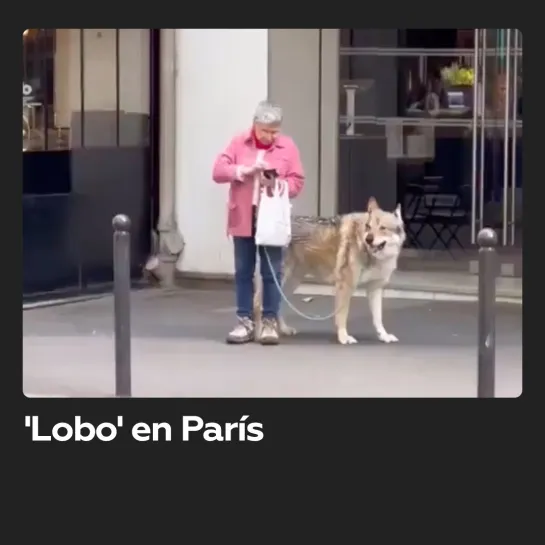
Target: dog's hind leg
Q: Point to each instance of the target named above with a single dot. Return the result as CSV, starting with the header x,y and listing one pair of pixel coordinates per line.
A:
x,y
290,282
375,295
258,303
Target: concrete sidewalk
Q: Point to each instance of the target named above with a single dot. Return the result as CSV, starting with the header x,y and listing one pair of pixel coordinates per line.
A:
x,y
179,350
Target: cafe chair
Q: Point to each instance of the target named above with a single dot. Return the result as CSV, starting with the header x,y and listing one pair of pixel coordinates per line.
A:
x,y
444,214
413,205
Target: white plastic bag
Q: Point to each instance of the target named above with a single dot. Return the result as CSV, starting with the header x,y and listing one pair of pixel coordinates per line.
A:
x,y
273,226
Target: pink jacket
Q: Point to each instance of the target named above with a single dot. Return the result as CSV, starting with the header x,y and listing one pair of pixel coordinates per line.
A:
x,y
283,156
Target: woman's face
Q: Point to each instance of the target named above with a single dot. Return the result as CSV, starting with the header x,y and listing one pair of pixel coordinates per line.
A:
x,y
266,134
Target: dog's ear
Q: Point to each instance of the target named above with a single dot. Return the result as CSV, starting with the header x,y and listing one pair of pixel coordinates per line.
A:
x,y
372,204
397,212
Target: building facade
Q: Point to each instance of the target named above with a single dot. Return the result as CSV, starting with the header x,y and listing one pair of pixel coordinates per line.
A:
x,y
90,126
431,119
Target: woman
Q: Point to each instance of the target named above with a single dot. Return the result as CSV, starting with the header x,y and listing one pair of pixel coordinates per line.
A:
x,y
241,165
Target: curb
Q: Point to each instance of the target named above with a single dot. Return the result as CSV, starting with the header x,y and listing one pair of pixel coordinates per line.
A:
x,y
198,281
309,290
49,396
317,289
76,396
63,301
97,292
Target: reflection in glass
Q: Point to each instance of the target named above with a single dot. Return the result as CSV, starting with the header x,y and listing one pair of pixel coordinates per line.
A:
x,y
85,88
43,53
432,112
134,90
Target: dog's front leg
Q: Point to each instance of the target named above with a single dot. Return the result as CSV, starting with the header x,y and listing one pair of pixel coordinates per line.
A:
x,y
374,296
343,294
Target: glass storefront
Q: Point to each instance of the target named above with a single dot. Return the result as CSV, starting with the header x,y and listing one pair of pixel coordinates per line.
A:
x,y
88,150
85,88
432,118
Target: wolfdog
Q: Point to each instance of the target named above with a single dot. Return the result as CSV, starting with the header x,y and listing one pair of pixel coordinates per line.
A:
x,y
347,250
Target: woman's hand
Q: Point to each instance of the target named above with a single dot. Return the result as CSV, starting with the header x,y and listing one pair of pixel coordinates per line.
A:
x,y
243,172
258,167
261,165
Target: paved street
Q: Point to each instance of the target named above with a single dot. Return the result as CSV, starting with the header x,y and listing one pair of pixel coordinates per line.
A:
x,y
179,350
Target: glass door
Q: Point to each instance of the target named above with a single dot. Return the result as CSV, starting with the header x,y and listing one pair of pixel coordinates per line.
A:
x,y
497,150
516,143
426,119
406,136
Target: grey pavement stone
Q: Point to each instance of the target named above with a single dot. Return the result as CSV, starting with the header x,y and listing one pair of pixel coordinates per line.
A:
x,y
179,350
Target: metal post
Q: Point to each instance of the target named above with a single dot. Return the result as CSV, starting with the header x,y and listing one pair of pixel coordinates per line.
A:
x,y
122,304
487,240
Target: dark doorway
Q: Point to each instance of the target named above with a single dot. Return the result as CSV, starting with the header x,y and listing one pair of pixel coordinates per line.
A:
x,y
89,152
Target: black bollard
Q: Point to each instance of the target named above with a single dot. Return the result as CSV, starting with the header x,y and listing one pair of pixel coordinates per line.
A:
x,y
122,304
487,239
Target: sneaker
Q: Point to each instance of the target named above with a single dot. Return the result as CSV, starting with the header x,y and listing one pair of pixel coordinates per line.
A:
x,y
242,333
269,332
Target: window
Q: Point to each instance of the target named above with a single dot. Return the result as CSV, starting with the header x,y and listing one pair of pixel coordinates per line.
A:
x,y
38,101
85,88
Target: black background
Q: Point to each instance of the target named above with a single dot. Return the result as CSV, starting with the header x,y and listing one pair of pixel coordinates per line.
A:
x,y
346,470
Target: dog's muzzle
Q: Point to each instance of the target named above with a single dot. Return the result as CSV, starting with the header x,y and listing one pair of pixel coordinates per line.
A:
x,y
378,247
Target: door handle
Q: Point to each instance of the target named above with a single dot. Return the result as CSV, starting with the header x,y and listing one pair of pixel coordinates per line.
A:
x,y
350,90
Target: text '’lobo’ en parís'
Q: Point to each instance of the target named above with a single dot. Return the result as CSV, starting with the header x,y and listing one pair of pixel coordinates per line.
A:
x,y
192,426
